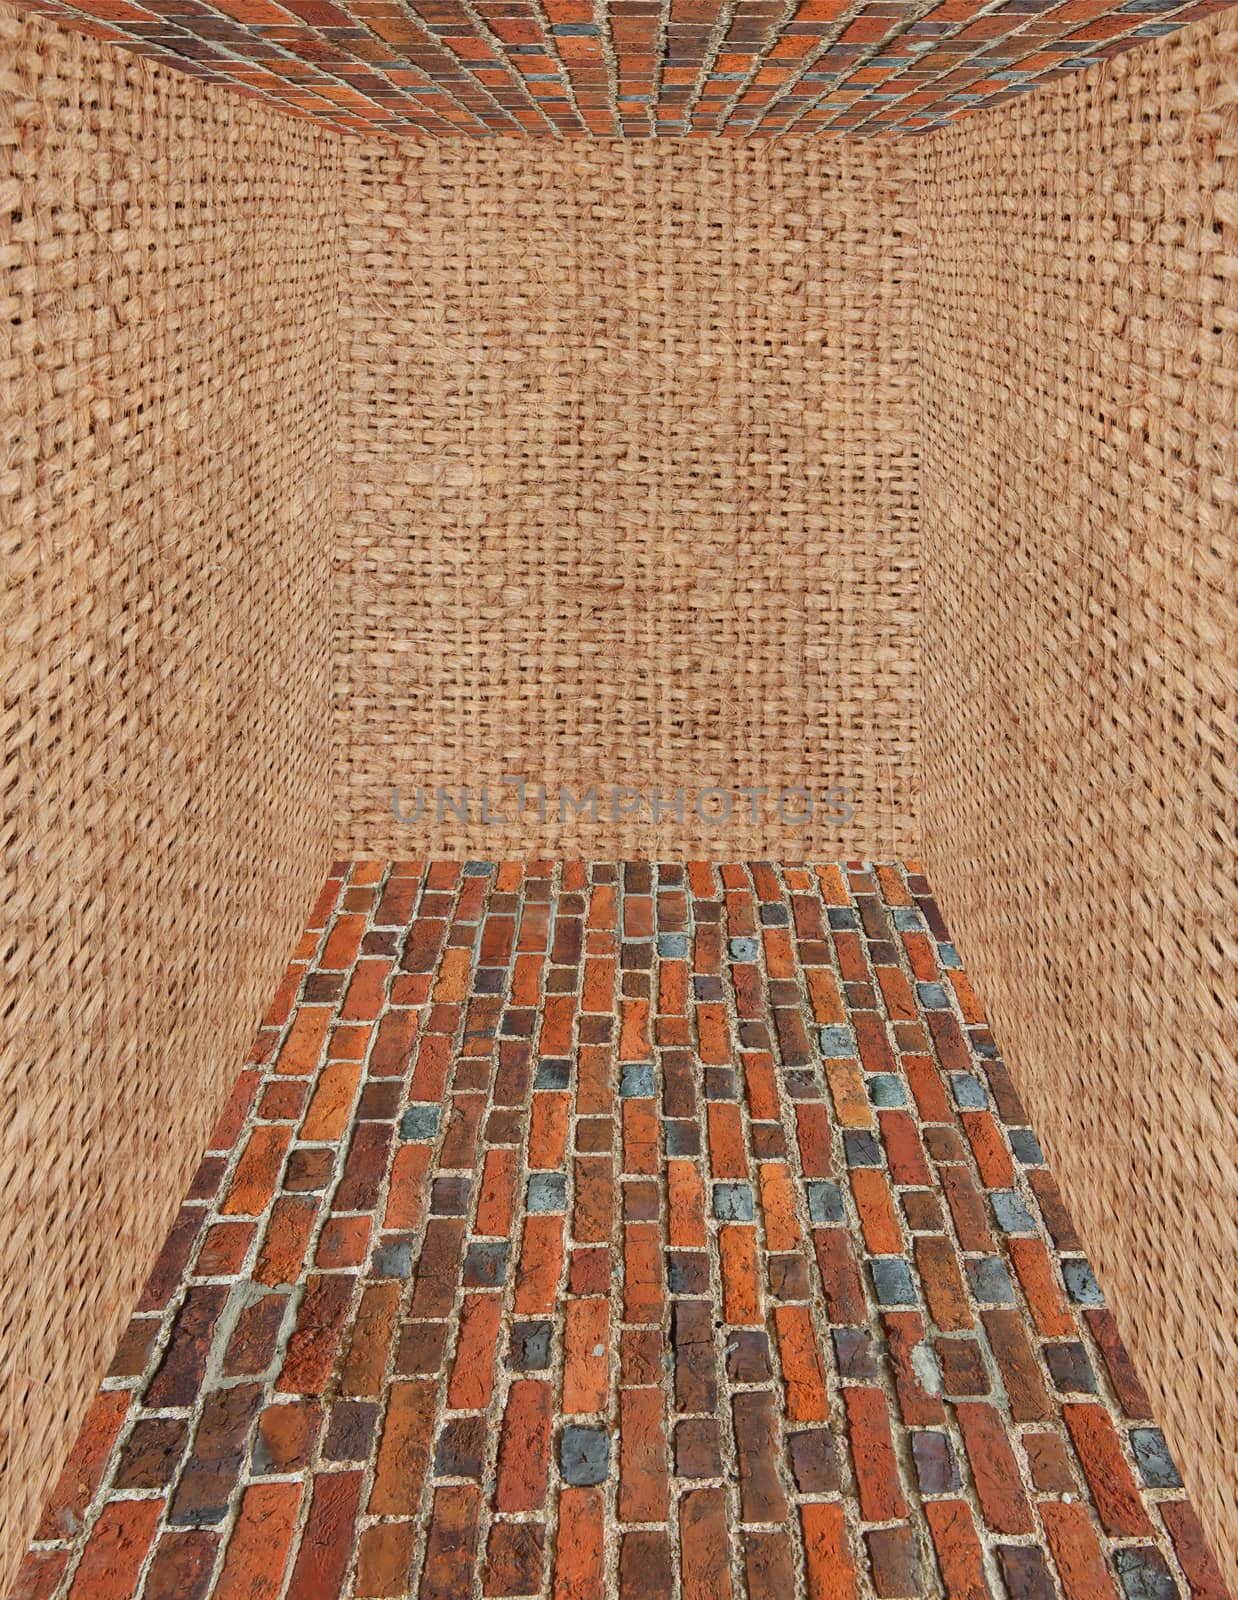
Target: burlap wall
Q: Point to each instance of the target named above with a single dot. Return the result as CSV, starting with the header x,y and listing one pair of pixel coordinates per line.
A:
x,y
1080,332
629,457
166,390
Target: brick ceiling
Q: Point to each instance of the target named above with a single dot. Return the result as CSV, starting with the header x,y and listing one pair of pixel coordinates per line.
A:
x,y
632,68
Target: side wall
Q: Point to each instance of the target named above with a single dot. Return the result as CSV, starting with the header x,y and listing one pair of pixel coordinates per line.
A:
x,y
1080,294
631,493
166,387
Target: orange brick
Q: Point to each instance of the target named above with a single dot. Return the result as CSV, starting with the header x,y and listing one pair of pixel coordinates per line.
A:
x,y
586,1343
803,1373
741,1282
686,1200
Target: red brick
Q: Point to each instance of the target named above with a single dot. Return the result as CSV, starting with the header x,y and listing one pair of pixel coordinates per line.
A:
x,y
180,1569
848,1092
895,1562
384,1558
541,1263
686,1205
812,1122
640,1137
927,1088
645,1570
741,1282
514,1559
803,1373
643,1488
439,1268
704,1546
116,1550
257,1172
282,1252
1132,1396
1113,1488
872,1450
992,1157
320,1323
958,1550
1020,1373
40,1573
1048,1463
904,1151
756,1445
1076,1552
840,1276
524,1447
994,1471
580,1556
451,1545
727,1156
327,1542
586,1351
404,1449
768,1566
878,1219
966,1209
829,1566
328,1115
406,1193
257,1552
302,1047
594,1203
904,1331
1045,1296
643,1290
476,1357
548,1124
939,1272
782,1227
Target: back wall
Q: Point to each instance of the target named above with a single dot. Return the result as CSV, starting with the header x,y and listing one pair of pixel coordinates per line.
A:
x,y
630,496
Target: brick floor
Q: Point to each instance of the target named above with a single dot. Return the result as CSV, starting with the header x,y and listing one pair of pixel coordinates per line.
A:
x,y
622,1230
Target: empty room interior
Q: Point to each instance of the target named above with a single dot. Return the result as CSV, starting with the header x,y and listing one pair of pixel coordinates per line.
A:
x,y
619,961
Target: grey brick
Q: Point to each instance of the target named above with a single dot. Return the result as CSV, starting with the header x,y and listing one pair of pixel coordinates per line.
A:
x,y
907,919
485,1265
419,1124
547,1191
584,1455
969,1092
862,1149
1026,1147
673,946
1081,1284
990,1282
825,1202
933,997
893,1281
1156,1465
733,1202
837,1041
744,949
636,1081
1012,1215
393,1259
1144,1575
530,1346
885,1090
552,1074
